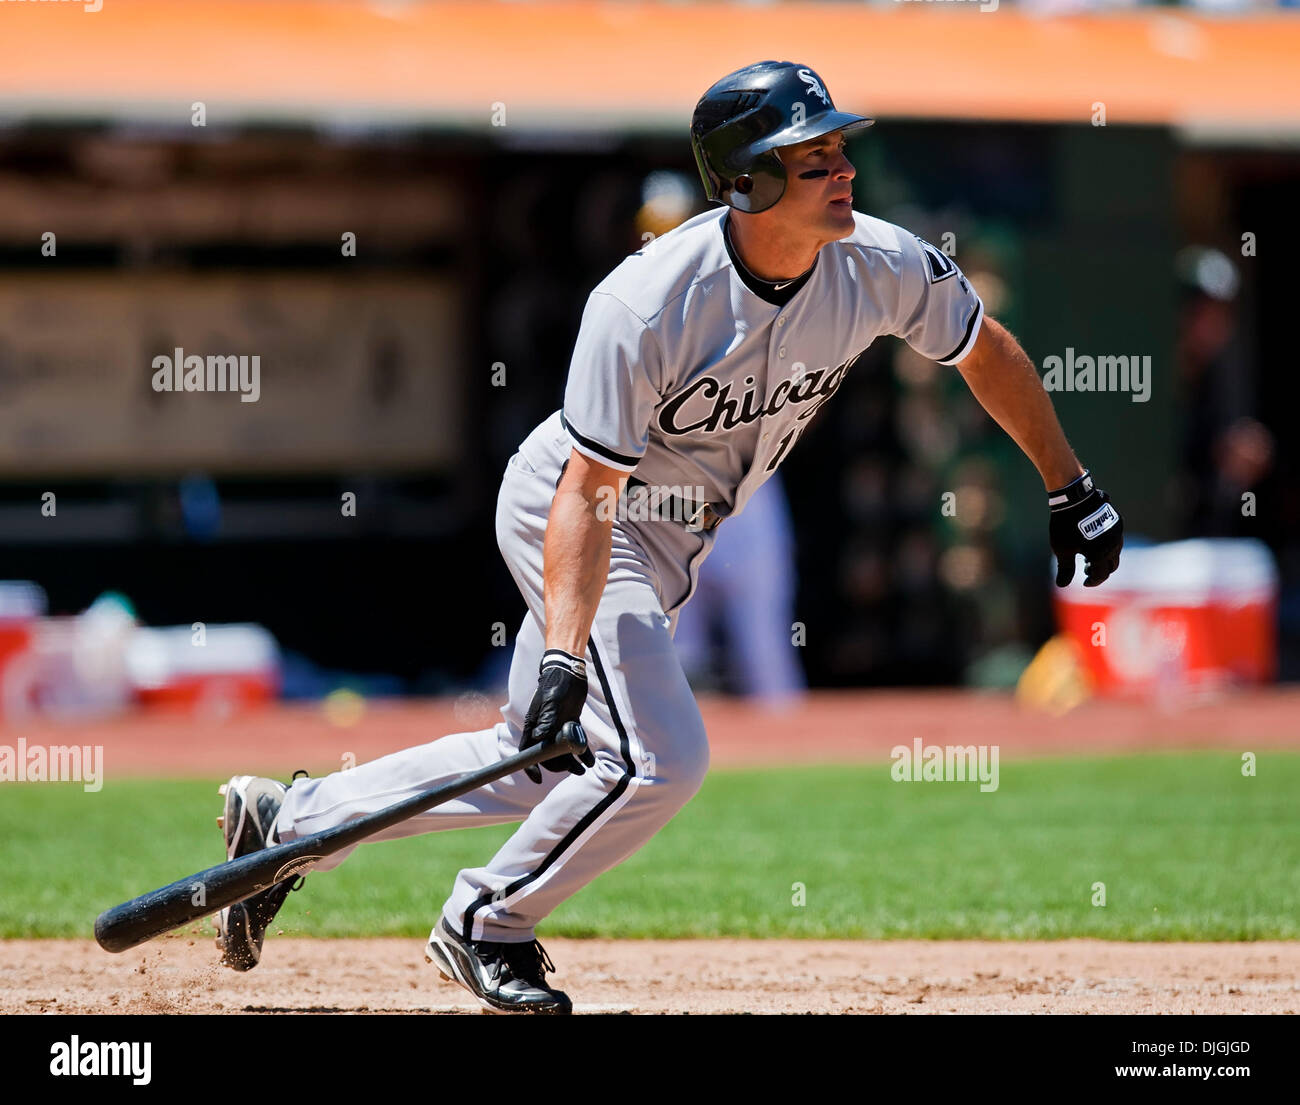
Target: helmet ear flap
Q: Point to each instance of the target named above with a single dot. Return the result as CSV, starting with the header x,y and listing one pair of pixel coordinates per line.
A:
x,y
759,178
759,187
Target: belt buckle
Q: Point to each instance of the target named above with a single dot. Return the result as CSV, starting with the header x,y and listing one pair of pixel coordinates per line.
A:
x,y
710,518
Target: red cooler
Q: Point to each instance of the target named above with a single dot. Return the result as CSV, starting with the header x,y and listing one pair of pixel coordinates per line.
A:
x,y
1192,616
216,669
22,604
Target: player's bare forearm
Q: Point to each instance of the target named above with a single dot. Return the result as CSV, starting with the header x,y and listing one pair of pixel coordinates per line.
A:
x,y
576,556
1002,377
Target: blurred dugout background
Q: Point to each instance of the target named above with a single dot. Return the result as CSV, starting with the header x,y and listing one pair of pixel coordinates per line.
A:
x,y
476,246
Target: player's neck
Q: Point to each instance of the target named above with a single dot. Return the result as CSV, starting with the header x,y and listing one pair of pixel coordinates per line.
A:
x,y
770,250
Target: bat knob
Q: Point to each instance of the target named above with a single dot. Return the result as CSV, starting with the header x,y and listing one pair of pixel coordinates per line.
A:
x,y
572,738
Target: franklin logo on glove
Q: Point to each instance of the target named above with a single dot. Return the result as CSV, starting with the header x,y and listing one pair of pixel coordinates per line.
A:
x,y
1097,524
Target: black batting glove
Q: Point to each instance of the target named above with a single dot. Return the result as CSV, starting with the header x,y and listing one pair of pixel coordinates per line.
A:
x,y
561,692
1084,521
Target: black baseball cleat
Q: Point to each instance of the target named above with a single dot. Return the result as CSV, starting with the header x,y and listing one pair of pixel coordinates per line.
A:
x,y
252,804
506,978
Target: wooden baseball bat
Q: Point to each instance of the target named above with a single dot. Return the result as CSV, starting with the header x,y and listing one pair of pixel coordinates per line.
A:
x,y
132,923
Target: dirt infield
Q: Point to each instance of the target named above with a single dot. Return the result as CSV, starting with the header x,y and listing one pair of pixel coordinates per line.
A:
x,y
180,975
826,727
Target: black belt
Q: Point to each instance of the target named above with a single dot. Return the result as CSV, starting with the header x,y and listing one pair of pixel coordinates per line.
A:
x,y
695,516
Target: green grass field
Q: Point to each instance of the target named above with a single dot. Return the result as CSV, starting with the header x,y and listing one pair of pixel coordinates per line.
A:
x,y
1187,847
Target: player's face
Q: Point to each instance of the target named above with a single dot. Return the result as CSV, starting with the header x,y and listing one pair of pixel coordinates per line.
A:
x,y
819,186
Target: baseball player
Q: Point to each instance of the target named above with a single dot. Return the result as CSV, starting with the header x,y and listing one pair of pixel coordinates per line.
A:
x,y
699,362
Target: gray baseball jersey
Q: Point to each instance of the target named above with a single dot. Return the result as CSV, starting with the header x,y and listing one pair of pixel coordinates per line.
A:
x,y
686,374
694,373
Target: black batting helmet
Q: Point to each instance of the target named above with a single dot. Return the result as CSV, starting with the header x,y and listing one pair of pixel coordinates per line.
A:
x,y
739,123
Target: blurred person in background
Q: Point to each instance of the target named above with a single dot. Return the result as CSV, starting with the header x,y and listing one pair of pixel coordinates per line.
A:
x,y
1226,450
746,595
